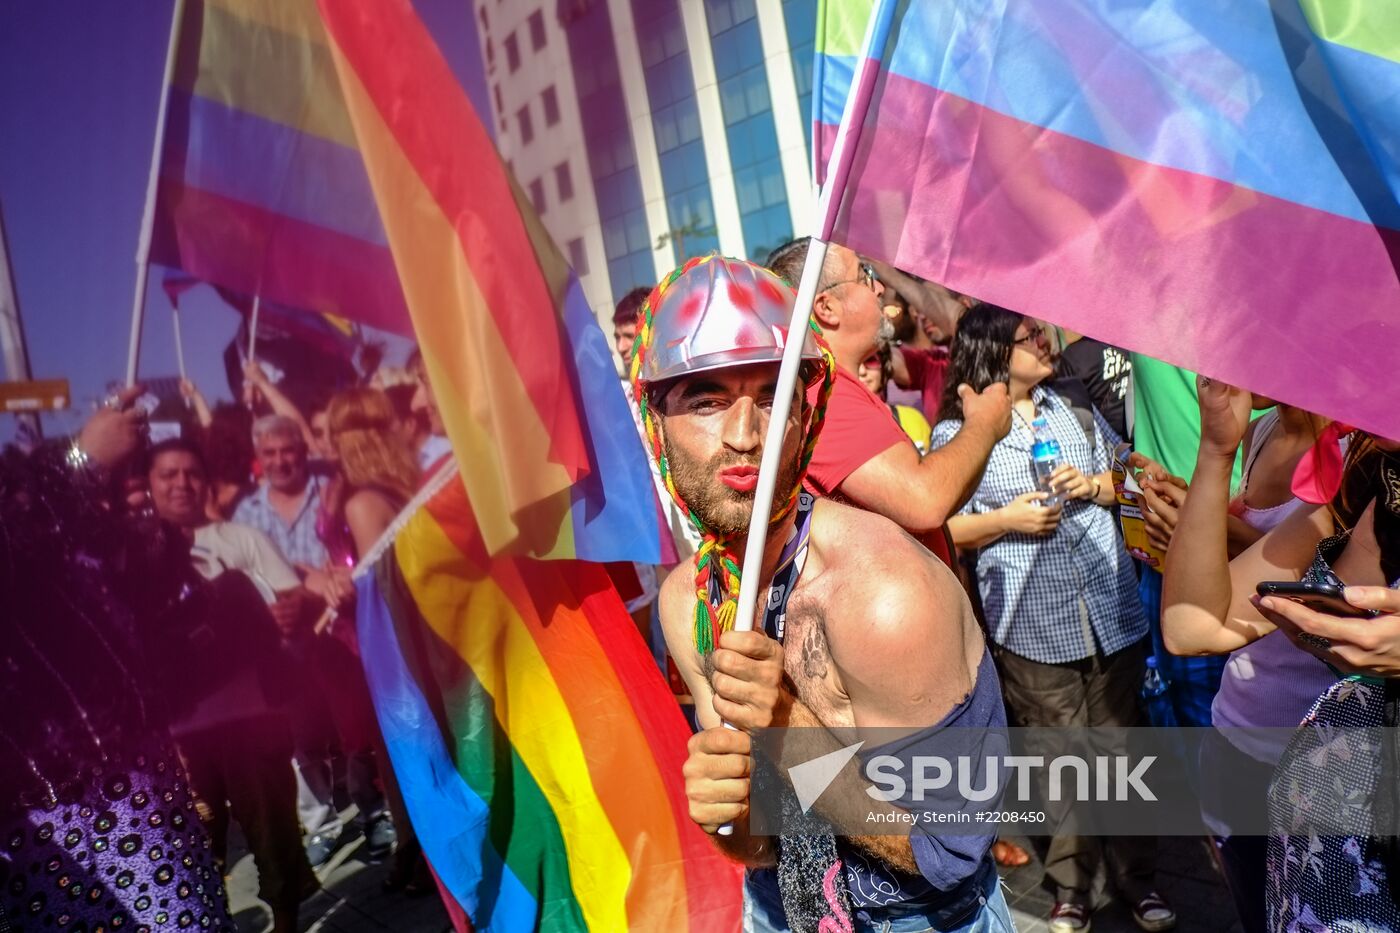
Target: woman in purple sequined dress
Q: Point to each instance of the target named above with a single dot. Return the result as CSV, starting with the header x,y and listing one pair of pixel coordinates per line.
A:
x,y
97,825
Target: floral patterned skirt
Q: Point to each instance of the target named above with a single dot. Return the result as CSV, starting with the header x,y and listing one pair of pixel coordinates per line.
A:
x,y
1323,873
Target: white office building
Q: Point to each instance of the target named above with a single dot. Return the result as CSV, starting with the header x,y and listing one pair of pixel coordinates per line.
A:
x,y
646,131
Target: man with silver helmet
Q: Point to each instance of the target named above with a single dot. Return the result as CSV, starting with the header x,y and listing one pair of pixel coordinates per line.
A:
x,y
834,645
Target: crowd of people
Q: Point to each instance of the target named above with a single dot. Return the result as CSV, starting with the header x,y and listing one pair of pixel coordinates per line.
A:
x,y
179,626
184,647
933,423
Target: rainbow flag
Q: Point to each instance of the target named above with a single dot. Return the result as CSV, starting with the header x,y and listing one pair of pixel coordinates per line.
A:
x,y
1214,184
261,188
537,747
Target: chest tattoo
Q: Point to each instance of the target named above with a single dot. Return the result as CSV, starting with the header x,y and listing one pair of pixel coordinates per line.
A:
x,y
806,640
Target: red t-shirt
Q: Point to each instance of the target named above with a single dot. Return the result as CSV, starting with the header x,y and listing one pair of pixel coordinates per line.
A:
x,y
859,427
928,370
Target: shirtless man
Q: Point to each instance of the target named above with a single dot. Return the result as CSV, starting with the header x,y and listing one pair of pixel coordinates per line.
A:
x,y
863,647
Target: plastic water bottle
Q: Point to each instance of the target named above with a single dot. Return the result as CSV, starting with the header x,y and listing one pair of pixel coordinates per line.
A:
x,y
1045,459
1154,696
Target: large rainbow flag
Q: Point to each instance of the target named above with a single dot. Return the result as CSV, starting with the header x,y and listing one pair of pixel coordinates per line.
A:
x,y
1214,184
538,749
534,740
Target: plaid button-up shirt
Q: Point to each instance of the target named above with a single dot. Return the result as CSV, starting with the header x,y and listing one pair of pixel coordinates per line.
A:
x,y
1060,597
298,541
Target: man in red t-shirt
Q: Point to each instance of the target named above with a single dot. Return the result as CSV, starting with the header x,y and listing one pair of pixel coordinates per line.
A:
x,y
864,457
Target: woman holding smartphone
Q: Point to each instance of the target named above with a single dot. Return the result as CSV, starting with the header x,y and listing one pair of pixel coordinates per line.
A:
x,y
1210,606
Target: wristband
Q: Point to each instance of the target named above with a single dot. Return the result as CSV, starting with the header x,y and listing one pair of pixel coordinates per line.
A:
x,y
1098,486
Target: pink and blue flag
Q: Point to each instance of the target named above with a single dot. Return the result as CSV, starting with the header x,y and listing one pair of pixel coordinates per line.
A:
x,y
1214,184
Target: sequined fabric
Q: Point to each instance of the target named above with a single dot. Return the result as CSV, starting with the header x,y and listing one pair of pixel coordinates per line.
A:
x,y
124,851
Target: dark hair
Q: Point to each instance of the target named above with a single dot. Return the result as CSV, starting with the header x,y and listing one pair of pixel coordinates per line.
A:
x,y
980,355
1366,475
227,448
401,397
181,444
631,305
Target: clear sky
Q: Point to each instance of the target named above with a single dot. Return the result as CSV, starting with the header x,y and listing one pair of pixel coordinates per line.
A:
x,y
79,88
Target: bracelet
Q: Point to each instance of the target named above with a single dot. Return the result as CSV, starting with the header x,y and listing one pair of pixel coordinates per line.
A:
x,y
1098,485
78,459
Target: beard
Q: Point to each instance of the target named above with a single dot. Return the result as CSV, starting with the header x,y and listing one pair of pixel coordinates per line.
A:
x,y
724,511
886,335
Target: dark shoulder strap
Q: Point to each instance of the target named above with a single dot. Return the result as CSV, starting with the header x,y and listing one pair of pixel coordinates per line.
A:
x,y
1077,397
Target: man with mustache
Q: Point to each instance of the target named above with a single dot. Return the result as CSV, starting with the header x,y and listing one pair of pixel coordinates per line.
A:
x,y
833,646
865,458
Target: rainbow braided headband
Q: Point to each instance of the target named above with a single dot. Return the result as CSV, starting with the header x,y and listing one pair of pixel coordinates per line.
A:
x,y
714,558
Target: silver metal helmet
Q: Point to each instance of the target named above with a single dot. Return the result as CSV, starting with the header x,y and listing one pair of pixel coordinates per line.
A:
x,y
719,312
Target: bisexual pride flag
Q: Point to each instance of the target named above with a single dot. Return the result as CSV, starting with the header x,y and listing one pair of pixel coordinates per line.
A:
x,y
1211,183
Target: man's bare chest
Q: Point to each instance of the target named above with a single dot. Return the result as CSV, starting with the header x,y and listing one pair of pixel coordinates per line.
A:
x,y
808,662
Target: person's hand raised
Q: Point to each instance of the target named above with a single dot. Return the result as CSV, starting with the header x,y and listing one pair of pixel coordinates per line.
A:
x,y
115,431
1225,414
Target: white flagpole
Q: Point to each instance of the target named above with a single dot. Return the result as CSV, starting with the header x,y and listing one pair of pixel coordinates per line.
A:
x,y
828,204
179,343
253,329
143,246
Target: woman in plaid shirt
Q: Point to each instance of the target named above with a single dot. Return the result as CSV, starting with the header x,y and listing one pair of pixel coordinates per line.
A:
x,y
1057,587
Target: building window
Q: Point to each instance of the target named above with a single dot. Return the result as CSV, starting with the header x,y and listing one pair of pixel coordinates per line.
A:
x,y
512,53
527,129
564,181
500,106
550,100
801,18
749,126
537,195
485,21
578,256
537,30
675,121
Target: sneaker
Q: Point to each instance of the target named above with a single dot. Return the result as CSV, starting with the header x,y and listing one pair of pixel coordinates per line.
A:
x,y
1069,917
379,837
1152,913
320,847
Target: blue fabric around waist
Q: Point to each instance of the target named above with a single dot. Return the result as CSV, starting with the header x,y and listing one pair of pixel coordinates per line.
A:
x,y
952,868
947,863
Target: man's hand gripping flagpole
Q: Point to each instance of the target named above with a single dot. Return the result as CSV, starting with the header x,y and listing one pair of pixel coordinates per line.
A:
x,y
828,204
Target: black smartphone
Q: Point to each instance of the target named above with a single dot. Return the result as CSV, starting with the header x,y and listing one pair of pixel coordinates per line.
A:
x,y
1321,597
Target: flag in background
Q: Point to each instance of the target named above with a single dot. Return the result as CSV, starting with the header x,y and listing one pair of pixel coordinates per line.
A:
x,y
538,749
327,333
1212,184
261,188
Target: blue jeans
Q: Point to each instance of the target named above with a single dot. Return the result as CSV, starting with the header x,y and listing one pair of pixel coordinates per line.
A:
x,y
1191,682
762,914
